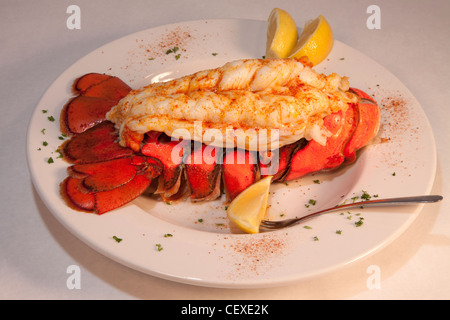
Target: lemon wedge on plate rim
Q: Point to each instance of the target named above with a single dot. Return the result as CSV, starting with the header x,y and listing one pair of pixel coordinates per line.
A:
x,y
282,34
248,209
315,41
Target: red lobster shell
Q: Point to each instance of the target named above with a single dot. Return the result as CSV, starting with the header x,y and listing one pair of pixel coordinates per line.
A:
x,y
104,175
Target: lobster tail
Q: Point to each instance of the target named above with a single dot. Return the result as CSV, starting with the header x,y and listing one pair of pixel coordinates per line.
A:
x,y
104,175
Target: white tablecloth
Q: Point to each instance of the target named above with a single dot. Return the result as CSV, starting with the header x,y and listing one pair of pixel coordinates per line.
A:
x,y
37,46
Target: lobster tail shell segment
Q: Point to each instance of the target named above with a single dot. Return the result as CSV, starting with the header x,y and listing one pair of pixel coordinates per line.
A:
x,y
170,155
82,113
96,95
88,80
106,175
101,86
277,163
96,144
203,173
240,170
76,195
103,186
367,126
115,198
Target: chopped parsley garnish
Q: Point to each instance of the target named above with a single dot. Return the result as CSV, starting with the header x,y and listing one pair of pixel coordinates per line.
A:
x,y
338,231
50,160
62,136
214,53
44,111
173,50
365,196
167,235
316,238
51,118
60,154
159,247
45,143
117,239
359,223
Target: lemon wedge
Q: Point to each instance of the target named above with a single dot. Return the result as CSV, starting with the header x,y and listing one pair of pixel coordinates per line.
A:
x,y
282,34
248,209
315,41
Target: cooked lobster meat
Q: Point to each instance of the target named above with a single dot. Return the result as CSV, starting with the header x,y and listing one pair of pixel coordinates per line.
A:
x,y
213,132
281,95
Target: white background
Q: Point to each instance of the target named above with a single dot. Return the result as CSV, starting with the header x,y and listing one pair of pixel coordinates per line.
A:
x,y
36,47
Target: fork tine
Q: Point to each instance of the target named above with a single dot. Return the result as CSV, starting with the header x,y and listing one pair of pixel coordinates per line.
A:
x,y
267,227
267,224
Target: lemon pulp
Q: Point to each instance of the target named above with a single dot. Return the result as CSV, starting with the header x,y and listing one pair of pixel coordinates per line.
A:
x,y
248,209
315,41
282,34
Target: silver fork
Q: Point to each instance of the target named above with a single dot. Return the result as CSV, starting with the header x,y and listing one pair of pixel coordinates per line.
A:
x,y
274,225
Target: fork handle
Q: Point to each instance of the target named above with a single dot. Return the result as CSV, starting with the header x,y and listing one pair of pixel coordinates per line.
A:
x,y
390,201
368,203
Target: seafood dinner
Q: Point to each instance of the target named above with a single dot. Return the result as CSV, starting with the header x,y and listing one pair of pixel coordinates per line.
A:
x,y
210,133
